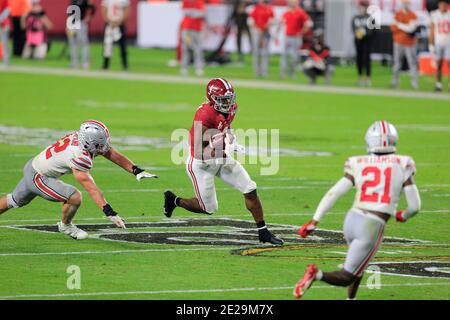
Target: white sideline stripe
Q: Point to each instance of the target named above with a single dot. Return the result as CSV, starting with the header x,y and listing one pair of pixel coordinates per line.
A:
x,y
27,254
115,293
287,214
254,84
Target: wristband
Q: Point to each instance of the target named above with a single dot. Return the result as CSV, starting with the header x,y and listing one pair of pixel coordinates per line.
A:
x,y
137,170
108,210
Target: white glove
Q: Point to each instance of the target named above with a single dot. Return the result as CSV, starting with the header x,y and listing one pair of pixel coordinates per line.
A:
x,y
145,175
231,144
117,221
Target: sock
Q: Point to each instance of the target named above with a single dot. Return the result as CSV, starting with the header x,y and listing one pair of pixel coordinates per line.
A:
x,y
261,225
177,201
439,85
319,275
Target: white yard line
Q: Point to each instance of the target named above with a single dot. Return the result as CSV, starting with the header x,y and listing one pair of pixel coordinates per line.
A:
x,y
160,292
254,84
27,254
101,219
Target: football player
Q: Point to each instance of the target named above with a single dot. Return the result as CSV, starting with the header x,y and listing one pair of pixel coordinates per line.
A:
x,y
439,39
379,179
74,153
211,144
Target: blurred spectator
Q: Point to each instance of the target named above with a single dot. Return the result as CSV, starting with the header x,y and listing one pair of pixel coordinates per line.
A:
x,y
261,18
363,43
240,16
440,40
115,14
36,25
318,61
4,30
80,37
295,22
404,34
19,8
191,35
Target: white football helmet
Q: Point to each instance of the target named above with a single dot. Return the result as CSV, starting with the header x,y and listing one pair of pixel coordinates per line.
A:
x,y
93,137
382,137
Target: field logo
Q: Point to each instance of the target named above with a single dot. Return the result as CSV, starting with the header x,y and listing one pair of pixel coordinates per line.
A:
x,y
400,256
74,279
260,146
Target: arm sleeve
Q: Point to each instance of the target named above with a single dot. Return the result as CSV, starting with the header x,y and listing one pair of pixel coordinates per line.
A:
x,y
338,190
410,169
413,200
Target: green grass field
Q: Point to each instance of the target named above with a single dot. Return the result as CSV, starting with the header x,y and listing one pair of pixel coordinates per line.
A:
x,y
141,116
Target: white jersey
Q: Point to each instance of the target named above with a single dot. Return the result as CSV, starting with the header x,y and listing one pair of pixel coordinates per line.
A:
x,y
379,180
441,23
61,157
115,9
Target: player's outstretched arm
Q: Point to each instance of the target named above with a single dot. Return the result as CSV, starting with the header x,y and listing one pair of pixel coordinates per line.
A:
x,y
329,199
122,161
412,199
88,183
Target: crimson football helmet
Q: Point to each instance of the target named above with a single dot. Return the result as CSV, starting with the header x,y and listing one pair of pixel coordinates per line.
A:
x,y
220,94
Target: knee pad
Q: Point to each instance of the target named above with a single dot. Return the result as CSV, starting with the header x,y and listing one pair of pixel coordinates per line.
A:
x,y
10,202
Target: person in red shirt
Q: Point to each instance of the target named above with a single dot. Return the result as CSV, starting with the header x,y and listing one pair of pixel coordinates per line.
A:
x,y
191,35
212,146
5,25
404,31
261,19
295,22
318,61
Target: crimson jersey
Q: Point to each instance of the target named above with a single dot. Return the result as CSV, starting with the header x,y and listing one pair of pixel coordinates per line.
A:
x,y
207,116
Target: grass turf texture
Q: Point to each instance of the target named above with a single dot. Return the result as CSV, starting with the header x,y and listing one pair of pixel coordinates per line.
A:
x,y
155,61
307,121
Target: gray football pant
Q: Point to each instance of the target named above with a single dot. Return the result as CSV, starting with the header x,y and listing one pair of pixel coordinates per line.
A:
x,y
399,53
289,56
33,184
79,38
192,40
364,233
4,39
261,42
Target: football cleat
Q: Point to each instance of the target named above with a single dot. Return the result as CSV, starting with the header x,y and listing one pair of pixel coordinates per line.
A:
x,y
169,203
266,236
305,283
72,231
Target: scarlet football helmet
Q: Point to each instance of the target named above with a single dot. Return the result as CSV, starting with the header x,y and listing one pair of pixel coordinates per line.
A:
x,y
220,94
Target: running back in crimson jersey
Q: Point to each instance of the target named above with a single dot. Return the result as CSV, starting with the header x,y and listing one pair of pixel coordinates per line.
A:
x,y
379,180
63,156
208,117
